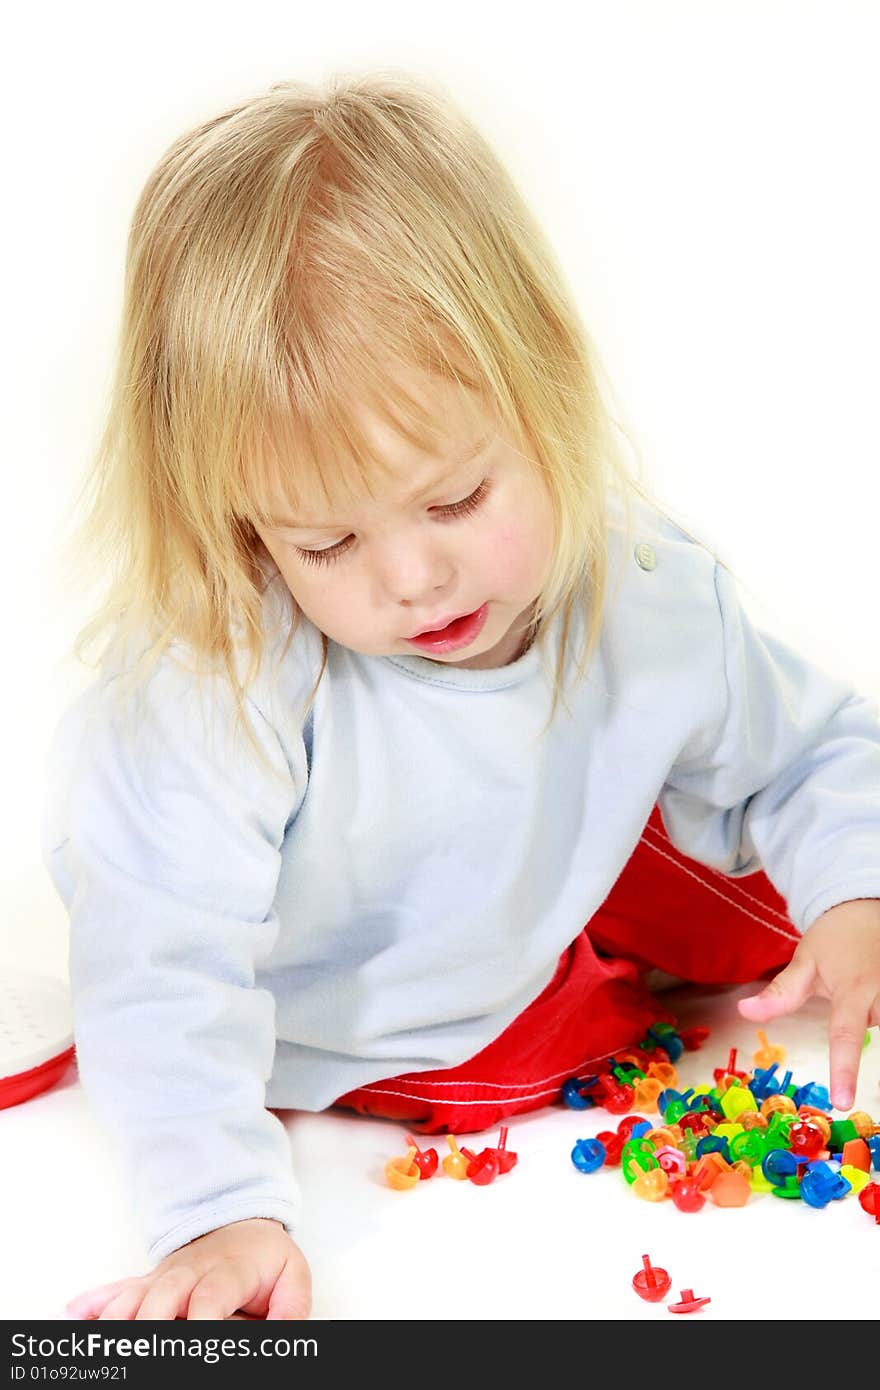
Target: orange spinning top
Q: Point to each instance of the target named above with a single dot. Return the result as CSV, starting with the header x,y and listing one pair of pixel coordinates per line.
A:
x,y
767,1053
402,1173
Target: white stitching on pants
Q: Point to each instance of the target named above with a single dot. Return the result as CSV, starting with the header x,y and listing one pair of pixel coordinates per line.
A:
x,y
791,935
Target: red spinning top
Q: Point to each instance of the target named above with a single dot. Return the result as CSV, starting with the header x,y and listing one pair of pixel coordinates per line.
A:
x,y
506,1157
730,1069
687,1196
426,1160
613,1146
616,1098
805,1139
628,1124
688,1303
482,1167
651,1283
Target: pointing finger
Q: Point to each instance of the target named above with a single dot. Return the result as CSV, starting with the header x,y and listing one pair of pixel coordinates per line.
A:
x,y
849,1019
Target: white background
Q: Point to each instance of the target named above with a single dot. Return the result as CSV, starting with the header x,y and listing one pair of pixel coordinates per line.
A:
x,y
707,175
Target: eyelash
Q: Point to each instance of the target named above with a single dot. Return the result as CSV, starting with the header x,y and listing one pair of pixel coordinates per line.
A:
x,y
455,509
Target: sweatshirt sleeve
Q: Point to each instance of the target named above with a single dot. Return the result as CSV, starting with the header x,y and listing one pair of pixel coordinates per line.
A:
x,y
788,778
163,838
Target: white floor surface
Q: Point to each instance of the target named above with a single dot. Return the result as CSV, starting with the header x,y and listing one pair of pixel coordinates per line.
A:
x,y
542,1242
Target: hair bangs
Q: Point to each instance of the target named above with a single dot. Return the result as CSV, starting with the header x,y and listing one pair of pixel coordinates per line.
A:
x,y
312,449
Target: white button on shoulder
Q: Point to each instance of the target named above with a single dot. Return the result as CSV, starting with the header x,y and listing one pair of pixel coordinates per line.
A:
x,y
646,556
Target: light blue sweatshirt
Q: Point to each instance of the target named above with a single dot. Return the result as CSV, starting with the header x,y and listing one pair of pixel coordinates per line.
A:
x,y
404,884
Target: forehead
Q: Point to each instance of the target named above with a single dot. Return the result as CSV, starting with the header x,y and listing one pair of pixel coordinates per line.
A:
x,y
419,426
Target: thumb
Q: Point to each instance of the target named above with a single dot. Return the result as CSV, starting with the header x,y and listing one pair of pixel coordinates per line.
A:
x,y
785,993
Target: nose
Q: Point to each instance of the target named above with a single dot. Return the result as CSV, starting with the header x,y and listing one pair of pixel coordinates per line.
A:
x,y
415,570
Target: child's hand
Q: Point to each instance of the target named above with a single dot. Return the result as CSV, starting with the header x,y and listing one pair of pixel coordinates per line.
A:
x,y
838,959
247,1267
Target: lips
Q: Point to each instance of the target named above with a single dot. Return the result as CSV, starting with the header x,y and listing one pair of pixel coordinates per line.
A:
x,y
437,627
454,634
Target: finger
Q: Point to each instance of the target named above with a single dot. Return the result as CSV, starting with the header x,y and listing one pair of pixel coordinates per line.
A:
x,y
223,1290
785,993
291,1297
123,1307
167,1296
90,1304
849,1019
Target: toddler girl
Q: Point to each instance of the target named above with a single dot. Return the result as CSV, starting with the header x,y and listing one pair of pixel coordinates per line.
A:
x,y
420,733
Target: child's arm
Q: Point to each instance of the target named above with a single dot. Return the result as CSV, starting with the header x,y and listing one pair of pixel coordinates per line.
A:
x,y
838,959
787,778
164,841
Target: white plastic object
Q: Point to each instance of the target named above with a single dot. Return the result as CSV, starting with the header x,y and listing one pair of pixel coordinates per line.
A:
x,y
36,1034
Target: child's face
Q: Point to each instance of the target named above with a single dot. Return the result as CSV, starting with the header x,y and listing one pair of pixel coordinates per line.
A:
x,y
391,566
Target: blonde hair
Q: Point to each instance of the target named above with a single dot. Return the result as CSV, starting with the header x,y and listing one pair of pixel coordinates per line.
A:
x,y
284,259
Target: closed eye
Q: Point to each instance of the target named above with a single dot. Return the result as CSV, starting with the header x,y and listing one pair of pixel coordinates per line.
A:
x,y
449,513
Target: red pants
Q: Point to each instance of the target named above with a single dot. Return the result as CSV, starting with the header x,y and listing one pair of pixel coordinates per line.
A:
x,y
665,911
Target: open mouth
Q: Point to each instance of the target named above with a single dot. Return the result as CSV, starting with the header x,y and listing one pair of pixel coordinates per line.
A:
x,y
461,632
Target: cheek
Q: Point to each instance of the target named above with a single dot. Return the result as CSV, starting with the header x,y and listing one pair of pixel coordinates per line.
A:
x,y
519,550
313,590
328,599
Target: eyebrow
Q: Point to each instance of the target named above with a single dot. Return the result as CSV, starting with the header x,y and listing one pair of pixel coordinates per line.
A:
x,y
434,486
